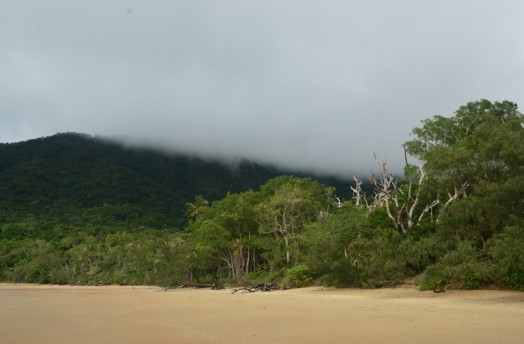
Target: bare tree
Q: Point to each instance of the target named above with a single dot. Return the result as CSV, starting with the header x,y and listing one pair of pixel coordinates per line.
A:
x,y
402,201
388,194
358,195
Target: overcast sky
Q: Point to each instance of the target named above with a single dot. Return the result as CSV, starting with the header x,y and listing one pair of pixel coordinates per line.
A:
x,y
319,85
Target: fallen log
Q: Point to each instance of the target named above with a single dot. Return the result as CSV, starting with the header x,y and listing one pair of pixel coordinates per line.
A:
x,y
248,287
195,285
214,286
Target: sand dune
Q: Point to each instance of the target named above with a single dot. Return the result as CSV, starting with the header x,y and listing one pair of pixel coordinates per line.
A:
x,y
64,314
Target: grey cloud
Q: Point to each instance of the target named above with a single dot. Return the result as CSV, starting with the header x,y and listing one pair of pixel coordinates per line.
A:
x,y
319,85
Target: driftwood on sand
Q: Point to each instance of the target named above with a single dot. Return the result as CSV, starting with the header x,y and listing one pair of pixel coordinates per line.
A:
x,y
248,287
214,286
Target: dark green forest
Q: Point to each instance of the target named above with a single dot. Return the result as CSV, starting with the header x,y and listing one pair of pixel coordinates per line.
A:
x,y
78,209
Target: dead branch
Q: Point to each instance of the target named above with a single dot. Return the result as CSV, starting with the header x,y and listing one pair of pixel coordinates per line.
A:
x,y
248,287
358,195
214,286
451,197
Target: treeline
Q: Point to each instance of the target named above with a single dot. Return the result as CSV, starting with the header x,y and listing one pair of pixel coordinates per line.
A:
x,y
454,220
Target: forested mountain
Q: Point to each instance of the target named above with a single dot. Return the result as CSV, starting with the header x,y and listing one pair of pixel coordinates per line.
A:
x,y
76,179
77,210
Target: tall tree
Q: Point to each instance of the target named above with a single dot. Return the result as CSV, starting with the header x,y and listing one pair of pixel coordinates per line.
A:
x,y
291,203
479,152
224,236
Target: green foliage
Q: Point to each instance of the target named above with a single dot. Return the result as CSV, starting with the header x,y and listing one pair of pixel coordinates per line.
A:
x,y
463,268
347,250
289,204
482,148
246,232
378,259
36,261
196,208
325,245
297,277
262,276
79,180
224,236
420,252
122,258
479,151
506,251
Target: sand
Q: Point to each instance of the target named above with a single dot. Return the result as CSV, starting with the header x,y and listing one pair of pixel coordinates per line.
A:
x,y
114,314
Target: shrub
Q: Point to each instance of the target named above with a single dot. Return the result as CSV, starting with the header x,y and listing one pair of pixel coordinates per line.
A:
x,y
260,277
506,251
463,268
379,261
297,277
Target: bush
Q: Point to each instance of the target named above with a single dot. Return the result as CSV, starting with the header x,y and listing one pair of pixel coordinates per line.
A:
x,y
297,277
423,252
258,277
379,261
506,251
342,273
463,268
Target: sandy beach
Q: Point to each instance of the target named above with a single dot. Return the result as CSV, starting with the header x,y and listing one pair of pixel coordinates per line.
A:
x,y
115,314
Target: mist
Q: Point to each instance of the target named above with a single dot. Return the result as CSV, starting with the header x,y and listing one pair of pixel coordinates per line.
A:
x,y
312,85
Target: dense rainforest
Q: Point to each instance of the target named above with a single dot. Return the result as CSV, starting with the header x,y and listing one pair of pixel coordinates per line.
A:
x,y
74,209
78,180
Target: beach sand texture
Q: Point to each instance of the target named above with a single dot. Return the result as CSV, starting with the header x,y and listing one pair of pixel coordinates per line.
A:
x,y
121,314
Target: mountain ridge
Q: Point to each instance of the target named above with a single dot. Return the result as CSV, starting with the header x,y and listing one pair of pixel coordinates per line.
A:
x,y
89,180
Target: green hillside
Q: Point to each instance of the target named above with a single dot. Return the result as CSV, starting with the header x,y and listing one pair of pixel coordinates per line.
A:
x,y
79,180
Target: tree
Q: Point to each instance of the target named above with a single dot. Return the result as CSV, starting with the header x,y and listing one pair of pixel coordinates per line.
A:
x,y
39,262
326,245
197,207
401,198
476,154
224,235
291,203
